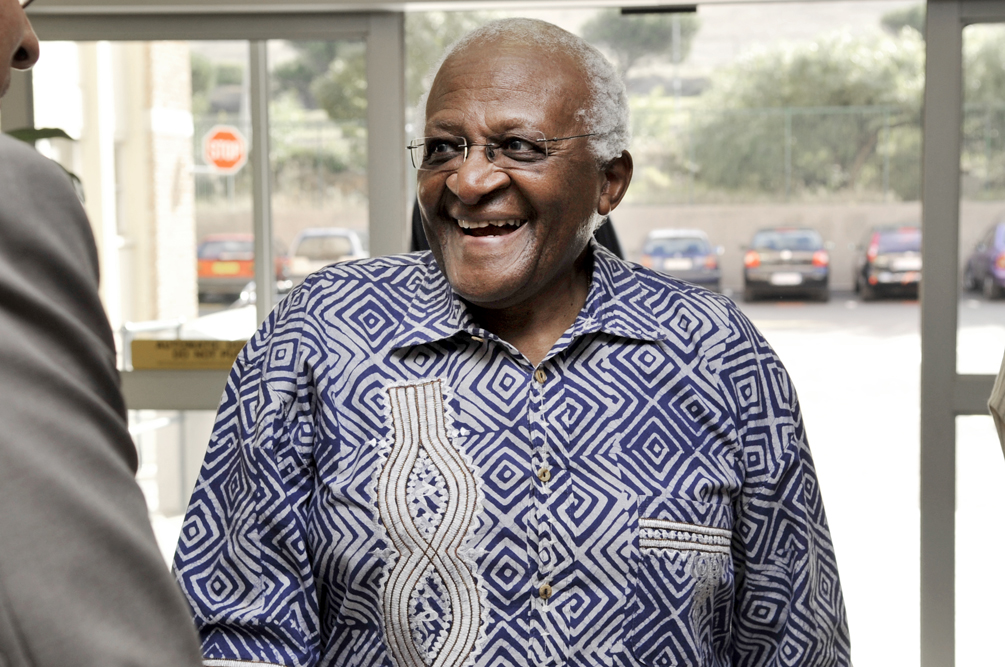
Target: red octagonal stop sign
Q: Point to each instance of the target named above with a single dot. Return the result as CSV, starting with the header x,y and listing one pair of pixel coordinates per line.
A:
x,y
225,149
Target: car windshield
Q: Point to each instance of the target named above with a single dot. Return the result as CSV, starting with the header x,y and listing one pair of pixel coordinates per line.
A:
x,y
901,240
323,247
232,250
681,245
785,239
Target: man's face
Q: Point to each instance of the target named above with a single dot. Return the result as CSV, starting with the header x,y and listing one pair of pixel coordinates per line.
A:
x,y
18,43
483,94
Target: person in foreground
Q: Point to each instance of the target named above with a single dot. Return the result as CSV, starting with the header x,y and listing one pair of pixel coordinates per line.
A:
x,y
82,582
516,449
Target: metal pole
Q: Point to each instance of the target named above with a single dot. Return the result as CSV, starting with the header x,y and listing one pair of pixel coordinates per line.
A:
x,y
261,176
385,132
886,155
788,151
940,211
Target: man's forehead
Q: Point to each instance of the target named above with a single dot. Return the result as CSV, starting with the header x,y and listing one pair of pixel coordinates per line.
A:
x,y
514,85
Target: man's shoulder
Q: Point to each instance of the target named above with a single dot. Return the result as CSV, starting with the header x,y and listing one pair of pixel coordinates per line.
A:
x,y
20,163
388,271
664,296
388,283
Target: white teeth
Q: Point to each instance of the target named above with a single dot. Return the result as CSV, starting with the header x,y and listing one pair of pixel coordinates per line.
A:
x,y
474,224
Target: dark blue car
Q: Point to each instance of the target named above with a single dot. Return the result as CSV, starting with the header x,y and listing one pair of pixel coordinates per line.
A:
x,y
985,268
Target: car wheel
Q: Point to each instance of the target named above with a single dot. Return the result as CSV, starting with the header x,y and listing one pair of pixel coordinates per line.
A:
x,y
969,281
991,289
868,292
749,295
824,295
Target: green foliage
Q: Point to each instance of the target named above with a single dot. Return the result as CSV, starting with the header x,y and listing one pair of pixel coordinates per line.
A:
x,y
427,37
983,156
312,62
207,76
833,114
908,17
633,37
341,90
203,76
229,74
984,64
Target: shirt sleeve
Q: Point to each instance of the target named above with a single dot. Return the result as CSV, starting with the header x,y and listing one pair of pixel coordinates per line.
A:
x,y
788,607
242,558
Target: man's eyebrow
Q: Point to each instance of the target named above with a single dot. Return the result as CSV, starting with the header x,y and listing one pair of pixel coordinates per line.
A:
x,y
498,126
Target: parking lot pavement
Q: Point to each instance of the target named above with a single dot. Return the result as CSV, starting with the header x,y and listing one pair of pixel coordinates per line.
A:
x,y
856,369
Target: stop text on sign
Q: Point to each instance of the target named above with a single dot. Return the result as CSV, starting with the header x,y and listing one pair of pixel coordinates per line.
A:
x,y
225,149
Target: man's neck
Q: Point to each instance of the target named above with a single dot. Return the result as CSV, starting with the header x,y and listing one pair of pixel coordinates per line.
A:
x,y
534,327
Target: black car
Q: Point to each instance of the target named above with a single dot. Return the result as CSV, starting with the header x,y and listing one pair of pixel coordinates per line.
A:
x,y
888,262
786,261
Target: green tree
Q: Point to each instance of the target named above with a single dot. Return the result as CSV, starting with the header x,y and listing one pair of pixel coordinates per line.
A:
x,y
341,90
630,38
908,17
814,117
427,37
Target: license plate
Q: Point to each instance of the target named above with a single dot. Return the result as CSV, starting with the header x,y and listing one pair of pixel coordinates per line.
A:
x,y
906,264
786,279
677,264
226,268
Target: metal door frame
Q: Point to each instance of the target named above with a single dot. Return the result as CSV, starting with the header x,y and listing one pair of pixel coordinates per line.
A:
x,y
384,35
945,394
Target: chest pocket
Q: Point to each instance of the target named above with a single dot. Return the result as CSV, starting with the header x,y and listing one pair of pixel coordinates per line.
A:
x,y
681,603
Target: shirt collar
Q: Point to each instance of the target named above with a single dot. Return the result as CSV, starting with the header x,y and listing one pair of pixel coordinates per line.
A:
x,y
614,305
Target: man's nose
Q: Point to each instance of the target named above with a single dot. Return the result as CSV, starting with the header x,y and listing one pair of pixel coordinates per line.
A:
x,y
476,177
27,52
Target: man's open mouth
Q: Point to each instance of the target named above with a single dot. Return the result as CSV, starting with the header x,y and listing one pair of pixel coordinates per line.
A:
x,y
490,227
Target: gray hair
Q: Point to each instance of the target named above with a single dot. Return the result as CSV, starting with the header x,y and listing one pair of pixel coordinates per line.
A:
x,y
607,114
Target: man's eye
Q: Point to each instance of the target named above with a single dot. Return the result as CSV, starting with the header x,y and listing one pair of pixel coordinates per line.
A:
x,y
518,144
520,148
442,147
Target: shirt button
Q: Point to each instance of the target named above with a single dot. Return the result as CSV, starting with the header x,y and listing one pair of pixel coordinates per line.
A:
x,y
544,592
540,376
544,475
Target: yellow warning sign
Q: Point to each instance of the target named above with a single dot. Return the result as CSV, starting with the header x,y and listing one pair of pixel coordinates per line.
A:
x,y
185,354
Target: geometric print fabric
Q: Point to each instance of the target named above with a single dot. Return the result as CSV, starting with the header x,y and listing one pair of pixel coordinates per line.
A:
x,y
390,484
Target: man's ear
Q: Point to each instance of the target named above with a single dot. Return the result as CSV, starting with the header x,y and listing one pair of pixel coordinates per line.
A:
x,y
617,176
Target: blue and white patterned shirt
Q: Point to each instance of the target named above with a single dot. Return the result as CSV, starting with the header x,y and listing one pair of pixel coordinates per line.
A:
x,y
390,484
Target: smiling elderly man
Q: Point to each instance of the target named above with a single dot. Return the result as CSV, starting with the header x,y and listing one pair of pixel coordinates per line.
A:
x,y
516,450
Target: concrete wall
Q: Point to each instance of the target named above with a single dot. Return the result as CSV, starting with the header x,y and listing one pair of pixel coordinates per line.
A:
x,y
733,225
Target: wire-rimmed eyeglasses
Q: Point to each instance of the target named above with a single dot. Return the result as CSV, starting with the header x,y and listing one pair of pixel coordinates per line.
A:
x,y
516,150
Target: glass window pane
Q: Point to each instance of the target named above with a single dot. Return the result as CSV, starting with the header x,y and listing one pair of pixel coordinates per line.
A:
x,y
980,495
982,201
317,114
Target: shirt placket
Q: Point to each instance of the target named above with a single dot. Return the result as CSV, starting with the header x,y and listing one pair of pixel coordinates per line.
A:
x,y
544,649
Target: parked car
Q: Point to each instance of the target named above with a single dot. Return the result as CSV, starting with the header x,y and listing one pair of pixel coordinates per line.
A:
x,y
985,267
317,247
888,261
786,261
683,253
226,262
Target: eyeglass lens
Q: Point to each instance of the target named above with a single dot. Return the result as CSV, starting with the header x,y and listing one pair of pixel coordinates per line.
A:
x,y
449,152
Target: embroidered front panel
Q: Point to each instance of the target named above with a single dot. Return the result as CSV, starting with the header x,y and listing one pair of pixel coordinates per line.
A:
x,y
427,497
